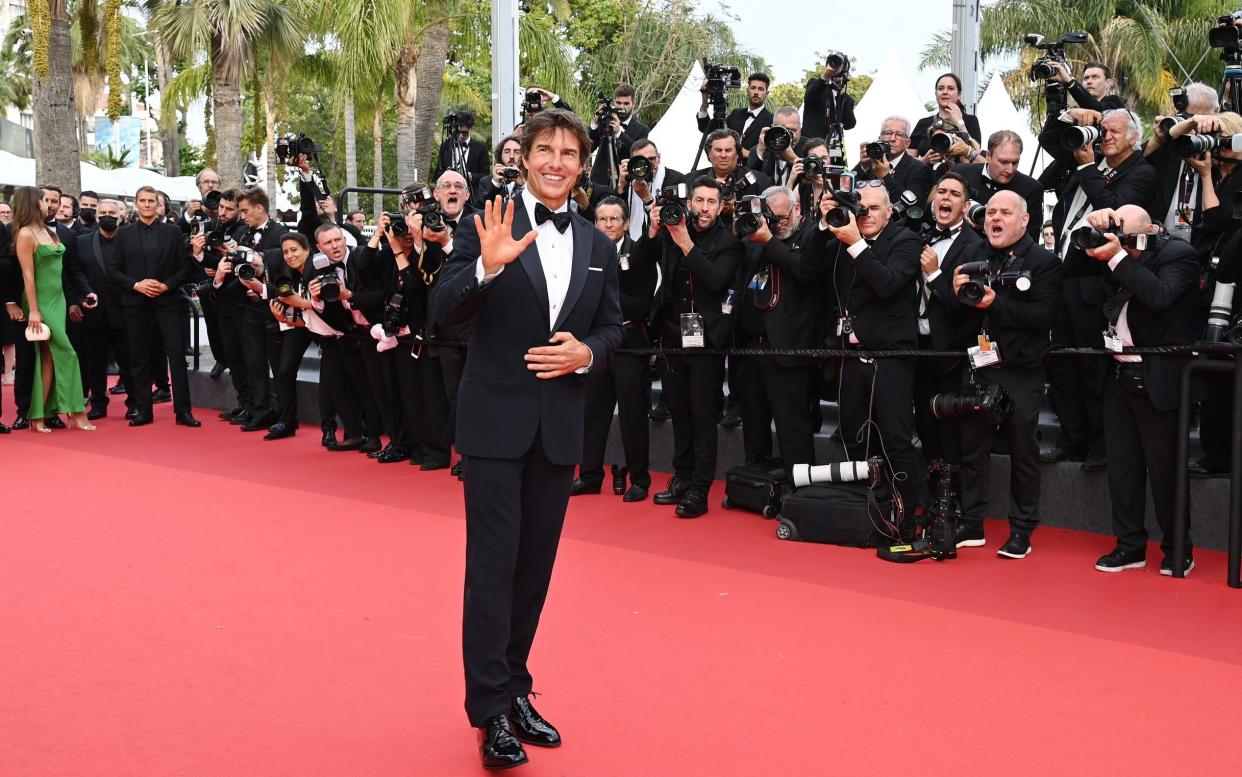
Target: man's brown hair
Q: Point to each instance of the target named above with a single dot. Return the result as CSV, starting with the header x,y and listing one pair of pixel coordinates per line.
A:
x,y
548,122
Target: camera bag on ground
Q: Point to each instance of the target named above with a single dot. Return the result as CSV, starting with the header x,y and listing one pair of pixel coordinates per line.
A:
x,y
837,514
759,488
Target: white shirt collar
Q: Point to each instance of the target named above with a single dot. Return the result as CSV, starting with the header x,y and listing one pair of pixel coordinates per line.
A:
x,y
529,200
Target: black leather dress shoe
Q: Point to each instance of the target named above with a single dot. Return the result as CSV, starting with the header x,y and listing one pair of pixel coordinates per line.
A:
x,y
673,493
329,435
229,415
187,419
459,470
1094,463
279,431
500,749
530,727
217,370
1202,468
119,388
4,429
97,413
370,445
163,395
636,493
431,465
258,424
618,480
1056,455
131,414
392,454
142,419
21,423
659,412
580,487
240,420
693,504
348,444
54,422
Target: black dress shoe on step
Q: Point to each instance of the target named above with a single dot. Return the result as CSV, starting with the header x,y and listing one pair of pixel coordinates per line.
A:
x,y
329,435
217,370
392,454
431,465
142,419
21,423
580,487
530,727
618,480
160,396
4,429
500,748
97,413
636,493
693,504
673,493
1057,455
1094,463
186,419
130,414
119,388
458,471
279,431
240,420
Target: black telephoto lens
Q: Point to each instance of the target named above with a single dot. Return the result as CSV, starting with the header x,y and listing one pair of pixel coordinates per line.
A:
x,y
639,169
778,139
941,142
1087,238
878,149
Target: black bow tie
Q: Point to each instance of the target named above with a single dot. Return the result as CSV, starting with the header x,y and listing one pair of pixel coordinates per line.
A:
x,y
560,220
943,234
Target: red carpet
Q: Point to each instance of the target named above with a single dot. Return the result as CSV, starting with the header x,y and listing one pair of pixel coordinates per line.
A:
x,y
168,611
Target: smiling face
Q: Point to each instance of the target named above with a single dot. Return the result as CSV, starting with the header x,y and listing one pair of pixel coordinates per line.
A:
x,y
1006,219
553,166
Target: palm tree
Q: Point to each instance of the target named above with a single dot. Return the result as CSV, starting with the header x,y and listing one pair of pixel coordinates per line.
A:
x,y
235,34
55,139
1151,46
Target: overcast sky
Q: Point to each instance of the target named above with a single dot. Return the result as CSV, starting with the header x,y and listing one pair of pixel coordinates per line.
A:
x,y
788,33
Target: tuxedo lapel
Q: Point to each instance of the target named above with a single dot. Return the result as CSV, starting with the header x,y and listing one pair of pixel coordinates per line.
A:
x,y
583,237
98,249
529,258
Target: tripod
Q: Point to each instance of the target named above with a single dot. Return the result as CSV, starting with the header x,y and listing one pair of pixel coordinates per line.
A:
x,y
718,106
1231,84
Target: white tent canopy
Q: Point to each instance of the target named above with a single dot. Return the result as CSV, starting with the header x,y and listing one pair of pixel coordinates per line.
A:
x,y
20,171
996,112
676,134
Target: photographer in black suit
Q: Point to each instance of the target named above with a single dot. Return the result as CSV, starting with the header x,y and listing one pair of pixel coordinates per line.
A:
x,y
999,174
460,151
103,329
898,170
616,135
724,158
780,304
540,285
506,174
950,112
151,263
640,195
746,122
1014,325
1177,201
874,265
825,103
1150,302
1095,92
622,385
698,258
1119,177
950,243
207,181
776,166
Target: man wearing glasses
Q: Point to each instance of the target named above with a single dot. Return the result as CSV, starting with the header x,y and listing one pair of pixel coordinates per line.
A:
x,y
781,306
898,170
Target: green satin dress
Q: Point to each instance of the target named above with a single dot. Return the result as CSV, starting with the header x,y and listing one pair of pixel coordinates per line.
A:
x,y
66,395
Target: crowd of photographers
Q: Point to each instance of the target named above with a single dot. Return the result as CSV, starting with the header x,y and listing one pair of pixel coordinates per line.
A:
x,y
932,241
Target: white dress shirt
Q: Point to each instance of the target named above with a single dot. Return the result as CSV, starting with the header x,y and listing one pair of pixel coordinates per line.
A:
x,y
941,247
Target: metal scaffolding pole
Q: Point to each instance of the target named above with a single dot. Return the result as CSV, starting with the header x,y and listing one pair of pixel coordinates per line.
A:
x,y
967,62
505,87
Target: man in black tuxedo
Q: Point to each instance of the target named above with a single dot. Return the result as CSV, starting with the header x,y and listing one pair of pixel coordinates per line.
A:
x,y
1016,325
639,196
1000,173
780,304
151,263
826,104
617,135
724,159
1150,302
224,235
1177,201
746,122
540,285
103,329
874,266
898,170
1119,178
948,245
461,152
1095,93
777,166
622,385
698,258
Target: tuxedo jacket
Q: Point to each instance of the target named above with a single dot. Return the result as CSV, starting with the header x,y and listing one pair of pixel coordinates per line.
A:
x,y
1132,183
501,405
1021,321
876,288
631,132
1161,287
267,245
982,188
768,164
797,271
910,173
815,109
90,252
170,262
1167,166
637,286
954,326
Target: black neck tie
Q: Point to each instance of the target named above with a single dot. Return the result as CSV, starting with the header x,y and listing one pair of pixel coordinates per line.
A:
x,y
559,220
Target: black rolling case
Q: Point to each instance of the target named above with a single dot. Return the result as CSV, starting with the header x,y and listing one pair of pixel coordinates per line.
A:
x,y
758,488
837,514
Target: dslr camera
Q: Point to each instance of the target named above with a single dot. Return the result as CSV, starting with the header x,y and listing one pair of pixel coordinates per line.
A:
x,y
732,188
247,263
1055,92
457,122
639,169
604,112
394,315
1088,237
991,403
672,203
397,225
935,529
1226,35
982,276
532,103
288,147
718,80
749,213
909,209
840,182
778,139
329,282
942,134
425,205
878,149
1076,137
1188,146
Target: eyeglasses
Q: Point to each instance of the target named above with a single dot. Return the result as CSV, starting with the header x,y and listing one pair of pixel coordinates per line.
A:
x,y
782,219
864,184
457,187
893,134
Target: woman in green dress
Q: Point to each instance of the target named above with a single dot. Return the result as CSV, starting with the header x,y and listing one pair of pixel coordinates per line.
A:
x,y
57,379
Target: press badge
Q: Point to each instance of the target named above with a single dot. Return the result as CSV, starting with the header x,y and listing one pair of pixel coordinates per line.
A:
x,y
624,261
759,282
691,330
1112,340
726,305
417,350
985,354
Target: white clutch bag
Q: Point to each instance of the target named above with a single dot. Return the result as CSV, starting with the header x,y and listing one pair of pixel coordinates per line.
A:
x,y
44,332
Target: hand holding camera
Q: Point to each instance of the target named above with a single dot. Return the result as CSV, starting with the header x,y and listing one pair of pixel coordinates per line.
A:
x,y
979,295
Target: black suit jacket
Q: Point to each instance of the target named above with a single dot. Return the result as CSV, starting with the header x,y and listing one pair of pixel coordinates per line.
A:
x,y
170,262
798,272
910,173
736,120
90,252
815,109
953,326
982,188
921,141
1021,321
1132,184
1162,287
876,289
501,405
637,286
767,165
631,132
1167,166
